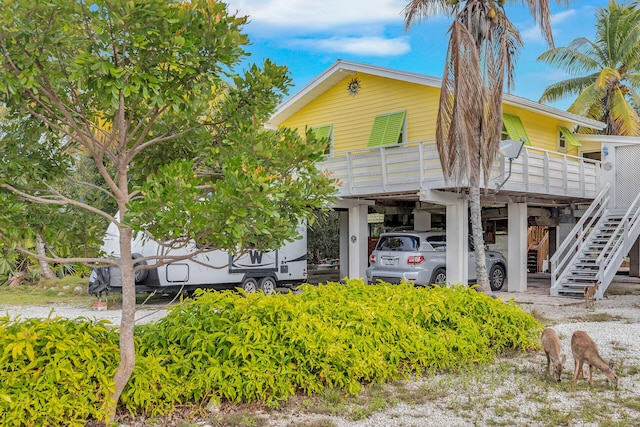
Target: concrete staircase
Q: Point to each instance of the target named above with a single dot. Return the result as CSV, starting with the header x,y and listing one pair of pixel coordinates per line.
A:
x,y
595,248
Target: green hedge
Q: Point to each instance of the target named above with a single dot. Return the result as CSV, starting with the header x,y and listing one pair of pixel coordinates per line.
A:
x,y
243,348
55,371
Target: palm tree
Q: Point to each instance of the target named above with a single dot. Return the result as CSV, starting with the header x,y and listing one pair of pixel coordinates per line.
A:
x,y
609,90
481,54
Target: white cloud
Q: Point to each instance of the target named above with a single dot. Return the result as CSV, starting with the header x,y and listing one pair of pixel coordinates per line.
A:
x,y
319,14
365,46
533,33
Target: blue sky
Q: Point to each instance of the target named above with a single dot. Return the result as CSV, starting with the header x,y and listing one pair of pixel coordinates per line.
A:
x,y
309,35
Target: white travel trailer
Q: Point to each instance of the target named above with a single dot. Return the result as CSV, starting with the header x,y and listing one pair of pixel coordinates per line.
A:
x,y
252,270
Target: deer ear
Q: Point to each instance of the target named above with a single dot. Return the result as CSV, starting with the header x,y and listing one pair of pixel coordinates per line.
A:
x,y
611,364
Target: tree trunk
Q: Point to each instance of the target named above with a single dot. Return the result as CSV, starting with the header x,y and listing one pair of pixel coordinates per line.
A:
x,y
476,231
127,347
44,265
17,278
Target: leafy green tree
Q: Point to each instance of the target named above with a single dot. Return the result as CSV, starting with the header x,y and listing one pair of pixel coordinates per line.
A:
x,y
32,228
481,56
146,89
323,239
607,71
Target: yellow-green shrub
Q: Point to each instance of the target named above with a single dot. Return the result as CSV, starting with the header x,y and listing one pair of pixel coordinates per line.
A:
x,y
230,345
55,371
250,347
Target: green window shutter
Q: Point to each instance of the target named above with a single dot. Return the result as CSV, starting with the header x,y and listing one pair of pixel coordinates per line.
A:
x,y
515,128
387,129
324,132
570,137
321,132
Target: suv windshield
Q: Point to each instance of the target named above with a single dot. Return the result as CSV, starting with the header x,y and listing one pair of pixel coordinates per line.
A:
x,y
398,243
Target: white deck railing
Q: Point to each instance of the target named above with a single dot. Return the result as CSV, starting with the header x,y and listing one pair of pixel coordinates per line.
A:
x,y
415,166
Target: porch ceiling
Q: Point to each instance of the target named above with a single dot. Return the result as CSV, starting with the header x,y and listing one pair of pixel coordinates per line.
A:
x,y
487,200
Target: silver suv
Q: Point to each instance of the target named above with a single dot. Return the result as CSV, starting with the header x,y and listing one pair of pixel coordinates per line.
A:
x,y
419,257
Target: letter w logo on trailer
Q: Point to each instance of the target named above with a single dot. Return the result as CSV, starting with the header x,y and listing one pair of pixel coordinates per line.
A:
x,y
253,260
256,257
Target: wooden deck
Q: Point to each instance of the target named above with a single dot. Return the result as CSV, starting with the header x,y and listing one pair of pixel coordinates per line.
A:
x,y
415,166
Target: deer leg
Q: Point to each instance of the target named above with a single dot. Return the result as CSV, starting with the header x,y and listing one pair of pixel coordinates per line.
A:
x,y
590,375
548,363
576,370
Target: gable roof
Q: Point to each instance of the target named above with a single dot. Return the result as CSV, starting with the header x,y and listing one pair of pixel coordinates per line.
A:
x,y
341,69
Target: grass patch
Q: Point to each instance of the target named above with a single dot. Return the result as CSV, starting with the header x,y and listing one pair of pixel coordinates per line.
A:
x,y
69,290
540,317
623,290
72,291
245,417
598,318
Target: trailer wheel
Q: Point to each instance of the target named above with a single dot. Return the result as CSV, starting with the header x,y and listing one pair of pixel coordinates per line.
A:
x,y
268,285
250,285
140,275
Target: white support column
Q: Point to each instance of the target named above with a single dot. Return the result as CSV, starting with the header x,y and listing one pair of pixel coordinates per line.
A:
x,y
358,241
517,247
344,244
457,242
421,220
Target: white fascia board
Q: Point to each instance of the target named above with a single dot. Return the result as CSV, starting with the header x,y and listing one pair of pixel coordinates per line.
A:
x,y
610,139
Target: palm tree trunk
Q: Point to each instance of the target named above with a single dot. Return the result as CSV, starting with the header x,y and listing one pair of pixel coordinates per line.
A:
x,y
476,231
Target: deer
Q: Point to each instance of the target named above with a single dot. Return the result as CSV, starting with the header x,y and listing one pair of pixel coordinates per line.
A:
x,y
551,346
590,294
585,351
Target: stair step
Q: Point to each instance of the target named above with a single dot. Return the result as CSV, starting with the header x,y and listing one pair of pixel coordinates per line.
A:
x,y
581,278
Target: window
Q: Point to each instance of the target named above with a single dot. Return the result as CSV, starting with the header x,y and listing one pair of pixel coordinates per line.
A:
x,y
512,128
439,243
388,129
398,243
322,132
565,138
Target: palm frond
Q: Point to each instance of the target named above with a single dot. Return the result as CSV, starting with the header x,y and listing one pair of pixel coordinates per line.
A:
x,y
569,59
458,121
607,78
541,13
417,9
629,45
634,98
566,88
589,102
595,110
615,55
633,79
623,119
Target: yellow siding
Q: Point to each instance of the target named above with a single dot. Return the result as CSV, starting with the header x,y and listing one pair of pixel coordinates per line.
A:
x,y
542,130
352,116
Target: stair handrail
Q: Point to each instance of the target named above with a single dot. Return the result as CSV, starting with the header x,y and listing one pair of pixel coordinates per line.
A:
x,y
619,244
542,250
631,213
579,230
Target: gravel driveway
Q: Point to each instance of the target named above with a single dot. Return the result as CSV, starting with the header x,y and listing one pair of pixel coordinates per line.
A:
x,y
143,315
